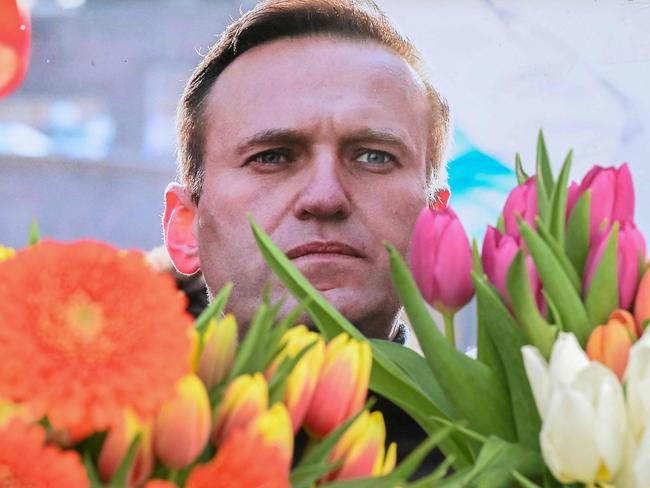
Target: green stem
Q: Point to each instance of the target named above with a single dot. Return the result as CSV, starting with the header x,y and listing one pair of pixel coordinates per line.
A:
x,y
449,327
173,476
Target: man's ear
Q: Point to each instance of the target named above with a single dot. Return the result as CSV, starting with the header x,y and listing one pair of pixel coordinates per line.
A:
x,y
179,226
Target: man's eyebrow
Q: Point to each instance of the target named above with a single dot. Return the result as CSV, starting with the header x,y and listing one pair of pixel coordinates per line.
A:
x,y
385,136
271,136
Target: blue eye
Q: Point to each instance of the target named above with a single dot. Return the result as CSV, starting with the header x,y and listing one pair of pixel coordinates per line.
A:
x,y
375,157
269,157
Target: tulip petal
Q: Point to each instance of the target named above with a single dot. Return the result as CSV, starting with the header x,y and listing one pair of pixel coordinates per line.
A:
x,y
567,437
538,377
567,359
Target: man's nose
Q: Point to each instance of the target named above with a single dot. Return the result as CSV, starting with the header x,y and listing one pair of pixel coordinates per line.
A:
x,y
324,195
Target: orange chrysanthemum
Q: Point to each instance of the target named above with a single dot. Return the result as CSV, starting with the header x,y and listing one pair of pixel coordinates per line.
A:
x,y
88,331
242,462
25,460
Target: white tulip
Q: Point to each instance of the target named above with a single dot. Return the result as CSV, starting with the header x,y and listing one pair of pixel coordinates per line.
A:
x,y
583,412
637,381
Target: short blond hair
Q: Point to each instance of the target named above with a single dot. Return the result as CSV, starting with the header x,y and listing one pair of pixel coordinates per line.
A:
x,y
275,19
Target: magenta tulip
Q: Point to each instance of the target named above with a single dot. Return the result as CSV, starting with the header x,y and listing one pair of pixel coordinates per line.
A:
x,y
612,196
499,250
441,259
631,252
522,201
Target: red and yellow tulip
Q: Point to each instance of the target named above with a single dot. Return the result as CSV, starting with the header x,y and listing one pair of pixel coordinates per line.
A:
x,y
301,382
217,354
245,399
361,449
116,445
342,385
182,427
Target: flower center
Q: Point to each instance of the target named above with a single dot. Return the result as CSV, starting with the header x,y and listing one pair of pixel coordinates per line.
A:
x,y
84,318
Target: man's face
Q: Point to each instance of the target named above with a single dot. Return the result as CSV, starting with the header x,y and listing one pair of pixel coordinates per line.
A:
x,y
324,142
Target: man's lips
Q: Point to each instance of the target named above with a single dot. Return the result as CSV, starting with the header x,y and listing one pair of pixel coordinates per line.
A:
x,y
327,247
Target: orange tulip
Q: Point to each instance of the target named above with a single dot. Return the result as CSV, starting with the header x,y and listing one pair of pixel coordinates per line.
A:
x,y
259,455
245,398
217,354
642,302
301,382
610,343
361,449
342,385
182,427
156,483
117,444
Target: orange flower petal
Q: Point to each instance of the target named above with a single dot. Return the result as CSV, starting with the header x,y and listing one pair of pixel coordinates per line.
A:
x,y
87,332
26,461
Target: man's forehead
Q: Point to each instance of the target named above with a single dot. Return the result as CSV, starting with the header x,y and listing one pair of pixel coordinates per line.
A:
x,y
270,80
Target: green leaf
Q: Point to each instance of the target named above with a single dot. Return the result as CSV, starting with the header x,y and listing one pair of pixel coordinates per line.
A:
x,y
535,329
386,378
214,309
543,167
602,296
466,382
543,204
486,349
560,255
314,464
273,345
498,460
522,177
119,479
523,481
495,317
431,480
250,355
553,313
34,233
383,482
557,285
409,466
559,202
577,233
417,369
501,224
91,470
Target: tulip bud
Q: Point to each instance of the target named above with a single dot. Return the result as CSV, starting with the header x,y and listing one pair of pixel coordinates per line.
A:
x,y
522,201
182,427
301,382
259,455
631,251
441,260
499,251
218,351
612,196
610,344
115,447
342,385
245,398
361,450
584,422
642,302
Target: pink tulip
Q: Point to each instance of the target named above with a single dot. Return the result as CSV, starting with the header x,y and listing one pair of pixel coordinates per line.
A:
x,y
441,260
499,250
612,196
522,201
630,251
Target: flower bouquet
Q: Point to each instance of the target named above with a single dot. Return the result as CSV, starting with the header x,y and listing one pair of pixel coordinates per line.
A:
x,y
106,381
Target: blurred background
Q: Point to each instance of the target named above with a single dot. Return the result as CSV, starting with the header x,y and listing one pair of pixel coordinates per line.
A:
x,y
87,143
